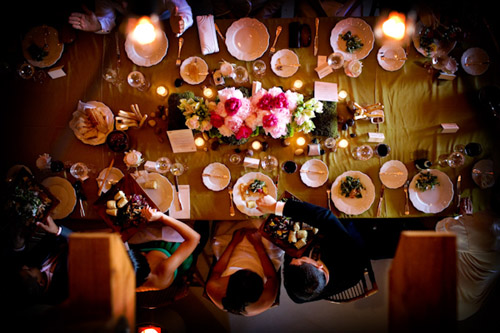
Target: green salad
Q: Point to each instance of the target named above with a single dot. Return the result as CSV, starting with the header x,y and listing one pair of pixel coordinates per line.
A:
x,y
351,187
352,42
426,181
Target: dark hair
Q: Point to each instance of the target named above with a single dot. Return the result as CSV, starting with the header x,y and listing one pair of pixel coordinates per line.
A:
x,y
142,7
28,290
141,266
244,287
303,282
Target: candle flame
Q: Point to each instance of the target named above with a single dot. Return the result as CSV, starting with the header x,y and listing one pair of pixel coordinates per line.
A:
x,y
144,32
394,26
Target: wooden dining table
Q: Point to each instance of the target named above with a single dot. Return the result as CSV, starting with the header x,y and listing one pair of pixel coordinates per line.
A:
x,y
36,117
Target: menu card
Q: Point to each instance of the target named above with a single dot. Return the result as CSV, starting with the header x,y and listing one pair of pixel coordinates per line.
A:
x,y
325,91
181,141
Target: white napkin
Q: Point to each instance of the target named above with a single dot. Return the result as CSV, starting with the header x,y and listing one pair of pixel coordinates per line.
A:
x,y
208,36
174,211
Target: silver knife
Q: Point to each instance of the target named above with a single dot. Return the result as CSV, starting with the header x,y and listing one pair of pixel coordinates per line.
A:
x,y
407,205
316,21
379,208
178,194
459,192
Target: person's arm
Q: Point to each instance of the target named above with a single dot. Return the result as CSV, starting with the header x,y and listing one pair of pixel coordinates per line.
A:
x,y
181,17
52,228
102,21
270,291
268,9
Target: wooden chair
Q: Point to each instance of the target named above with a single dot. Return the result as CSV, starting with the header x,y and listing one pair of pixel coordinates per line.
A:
x,y
367,286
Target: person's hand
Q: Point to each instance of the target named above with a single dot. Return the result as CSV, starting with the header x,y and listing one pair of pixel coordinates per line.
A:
x,y
266,205
176,22
49,225
151,214
238,235
254,236
466,206
85,22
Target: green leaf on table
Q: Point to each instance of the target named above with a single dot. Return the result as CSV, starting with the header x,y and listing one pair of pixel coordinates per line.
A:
x,y
326,122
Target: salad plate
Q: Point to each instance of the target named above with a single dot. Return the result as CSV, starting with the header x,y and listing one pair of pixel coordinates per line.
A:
x,y
62,189
314,173
352,32
483,174
393,174
216,176
114,177
353,205
435,199
391,58
475,61
285,63
194,70
251,187
247,39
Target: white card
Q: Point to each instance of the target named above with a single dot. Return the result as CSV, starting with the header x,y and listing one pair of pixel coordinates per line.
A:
x,y
174,210
181,141
325,91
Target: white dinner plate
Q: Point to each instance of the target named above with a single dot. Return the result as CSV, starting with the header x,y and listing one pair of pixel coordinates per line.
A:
x,y
484,174
80,112
389,57
247,39
314,173
434,200
46,38
288,60
163,195
216,176
194,70
393,174
62,189
437,46
248,178
147,55
353,206
114,177
475,61
357,27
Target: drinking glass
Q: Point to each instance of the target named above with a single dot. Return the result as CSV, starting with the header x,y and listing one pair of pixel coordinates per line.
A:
x,y
79,170
439,61
335,60
111,76
473,149
382,150
363,152
330,143
460,148
443,160
235,158
137,80
259,68
163,165
26,71
177,169
289,166
240,75
455,159
269,163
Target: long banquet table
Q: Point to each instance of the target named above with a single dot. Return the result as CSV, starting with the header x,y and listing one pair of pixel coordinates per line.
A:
x,y
415,106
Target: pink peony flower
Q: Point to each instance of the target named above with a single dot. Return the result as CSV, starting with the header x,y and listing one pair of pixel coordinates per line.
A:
x,y
243,133
270,120
233,123
280,101
216,120
232,105
265,102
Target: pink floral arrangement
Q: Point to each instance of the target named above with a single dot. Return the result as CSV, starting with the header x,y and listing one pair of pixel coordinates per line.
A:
x,y
230,114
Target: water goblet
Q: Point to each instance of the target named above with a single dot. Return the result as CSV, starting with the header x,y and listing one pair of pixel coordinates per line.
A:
x,y
269,163
363,153
443,160
259,68
26,71
177,169
335,60
163,165
235,158
330,143
460,148
455,159
240,75
137,80
79,170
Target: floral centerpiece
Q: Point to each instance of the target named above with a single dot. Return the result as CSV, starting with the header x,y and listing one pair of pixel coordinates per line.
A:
x,y
234,117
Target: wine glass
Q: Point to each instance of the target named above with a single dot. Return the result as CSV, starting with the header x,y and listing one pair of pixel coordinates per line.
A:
x,y
382,150
259,68
163,165
460,148
269,163
443,160
235,158
111,76
335,60
363,153
289,167
79,170
240,75
26,71
177,169
137,80
455,159
330,143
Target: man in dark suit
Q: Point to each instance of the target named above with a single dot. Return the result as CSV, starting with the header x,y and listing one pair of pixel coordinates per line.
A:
x,y
337,261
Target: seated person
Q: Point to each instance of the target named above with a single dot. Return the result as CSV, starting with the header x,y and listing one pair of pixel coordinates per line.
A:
x,y
104,17
244,281
260,9
339,263
157,263
478,255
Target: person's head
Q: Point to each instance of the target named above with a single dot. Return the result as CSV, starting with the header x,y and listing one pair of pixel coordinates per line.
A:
x,y
30,284
143,7
141,266
305,279
244,287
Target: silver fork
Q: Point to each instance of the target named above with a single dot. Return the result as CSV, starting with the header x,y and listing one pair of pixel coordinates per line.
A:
x,y
178,61
407,205
278,31
231,207
329,197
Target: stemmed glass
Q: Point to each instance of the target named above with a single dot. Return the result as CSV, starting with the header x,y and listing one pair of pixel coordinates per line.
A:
x,y
80,171
111,76
259,68
363,152
137,80
163,165
240,75
453,160
177,169
335,60
26,71
269,163
235,158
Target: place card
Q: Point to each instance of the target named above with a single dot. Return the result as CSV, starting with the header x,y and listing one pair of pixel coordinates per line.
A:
x,y
256,86
150,166
323,70
449,128
250,162
182,141
56,72
325,91
321,60
174,211
376,137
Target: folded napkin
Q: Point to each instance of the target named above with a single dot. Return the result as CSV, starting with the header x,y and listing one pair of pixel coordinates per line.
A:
x,y
208,36
174,211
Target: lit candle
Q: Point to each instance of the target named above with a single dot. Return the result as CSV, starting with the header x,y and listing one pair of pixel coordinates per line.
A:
x,y
342,94
301,141
199,142
394,26
162,91
256,145
208,92
297,84
144,32
343,143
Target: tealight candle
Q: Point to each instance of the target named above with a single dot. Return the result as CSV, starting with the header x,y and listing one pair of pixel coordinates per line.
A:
x,y
162,91
256,145
208,92
199,142
301,141
343,143
297,84
342,94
